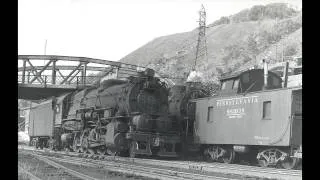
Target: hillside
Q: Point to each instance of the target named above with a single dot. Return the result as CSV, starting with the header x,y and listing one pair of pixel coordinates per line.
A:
x,y
234,42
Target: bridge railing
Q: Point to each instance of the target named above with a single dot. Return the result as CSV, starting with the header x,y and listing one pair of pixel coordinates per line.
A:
x,y
59,80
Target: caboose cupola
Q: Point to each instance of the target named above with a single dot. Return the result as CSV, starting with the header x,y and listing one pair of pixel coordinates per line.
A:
x,y
249,81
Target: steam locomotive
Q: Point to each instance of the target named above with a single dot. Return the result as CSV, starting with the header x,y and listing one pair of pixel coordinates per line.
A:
x,y
128,117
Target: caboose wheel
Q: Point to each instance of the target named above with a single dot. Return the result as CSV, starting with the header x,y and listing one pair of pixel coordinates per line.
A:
x,y
217,153
289,163
263,163
228,156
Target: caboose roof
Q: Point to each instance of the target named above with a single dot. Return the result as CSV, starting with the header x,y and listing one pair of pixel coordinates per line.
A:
x,y
239,73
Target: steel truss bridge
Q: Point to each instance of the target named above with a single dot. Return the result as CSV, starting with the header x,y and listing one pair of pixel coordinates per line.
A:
x,y
56,76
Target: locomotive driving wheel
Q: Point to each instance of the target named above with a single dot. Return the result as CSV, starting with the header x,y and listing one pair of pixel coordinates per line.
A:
x,y
91,150
84,145
101,150
75,146
111,151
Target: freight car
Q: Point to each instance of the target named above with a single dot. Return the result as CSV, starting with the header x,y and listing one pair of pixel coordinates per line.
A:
x,y
128,117
252,114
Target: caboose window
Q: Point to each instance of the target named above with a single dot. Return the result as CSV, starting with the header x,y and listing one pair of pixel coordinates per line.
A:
x,y
276,81
223,86
266,110
246,78
235,84
210,114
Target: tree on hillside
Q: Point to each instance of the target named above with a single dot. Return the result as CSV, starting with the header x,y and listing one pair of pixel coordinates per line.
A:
x,y
256,13
219,71
222,20
287,26
290,50
279,10
242,16
253,45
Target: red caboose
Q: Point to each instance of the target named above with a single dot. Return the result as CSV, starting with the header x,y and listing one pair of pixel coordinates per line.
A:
x,y
250,116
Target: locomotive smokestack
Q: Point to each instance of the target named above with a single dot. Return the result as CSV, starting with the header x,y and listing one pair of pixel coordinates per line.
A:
x,y
265,70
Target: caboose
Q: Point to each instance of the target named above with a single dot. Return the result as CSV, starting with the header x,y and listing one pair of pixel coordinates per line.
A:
x,y
252,114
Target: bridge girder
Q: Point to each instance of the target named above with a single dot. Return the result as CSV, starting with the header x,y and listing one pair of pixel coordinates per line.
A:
x,y
36,81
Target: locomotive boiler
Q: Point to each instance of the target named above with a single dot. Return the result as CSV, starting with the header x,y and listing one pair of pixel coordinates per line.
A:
x,y
128,116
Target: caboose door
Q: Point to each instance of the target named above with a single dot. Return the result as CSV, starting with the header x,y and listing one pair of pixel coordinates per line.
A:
x,y
296,129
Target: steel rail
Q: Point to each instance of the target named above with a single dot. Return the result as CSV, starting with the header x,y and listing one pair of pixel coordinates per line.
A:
x,y
206,167
217,168
69,171
30,175
143,170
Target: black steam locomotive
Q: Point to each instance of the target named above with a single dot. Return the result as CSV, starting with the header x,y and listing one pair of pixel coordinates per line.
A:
x,y
128,117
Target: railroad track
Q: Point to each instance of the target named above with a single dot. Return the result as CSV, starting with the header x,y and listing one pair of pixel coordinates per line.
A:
x,y
49,169
134,169
195,167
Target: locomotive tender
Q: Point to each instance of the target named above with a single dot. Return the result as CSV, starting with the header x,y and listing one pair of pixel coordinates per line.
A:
x,y
253,113
120,116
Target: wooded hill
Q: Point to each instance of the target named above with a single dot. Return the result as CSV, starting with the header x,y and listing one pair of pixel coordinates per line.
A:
x,y
233,42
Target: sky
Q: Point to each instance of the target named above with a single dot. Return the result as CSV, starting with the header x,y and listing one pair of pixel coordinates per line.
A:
x,y
111,29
